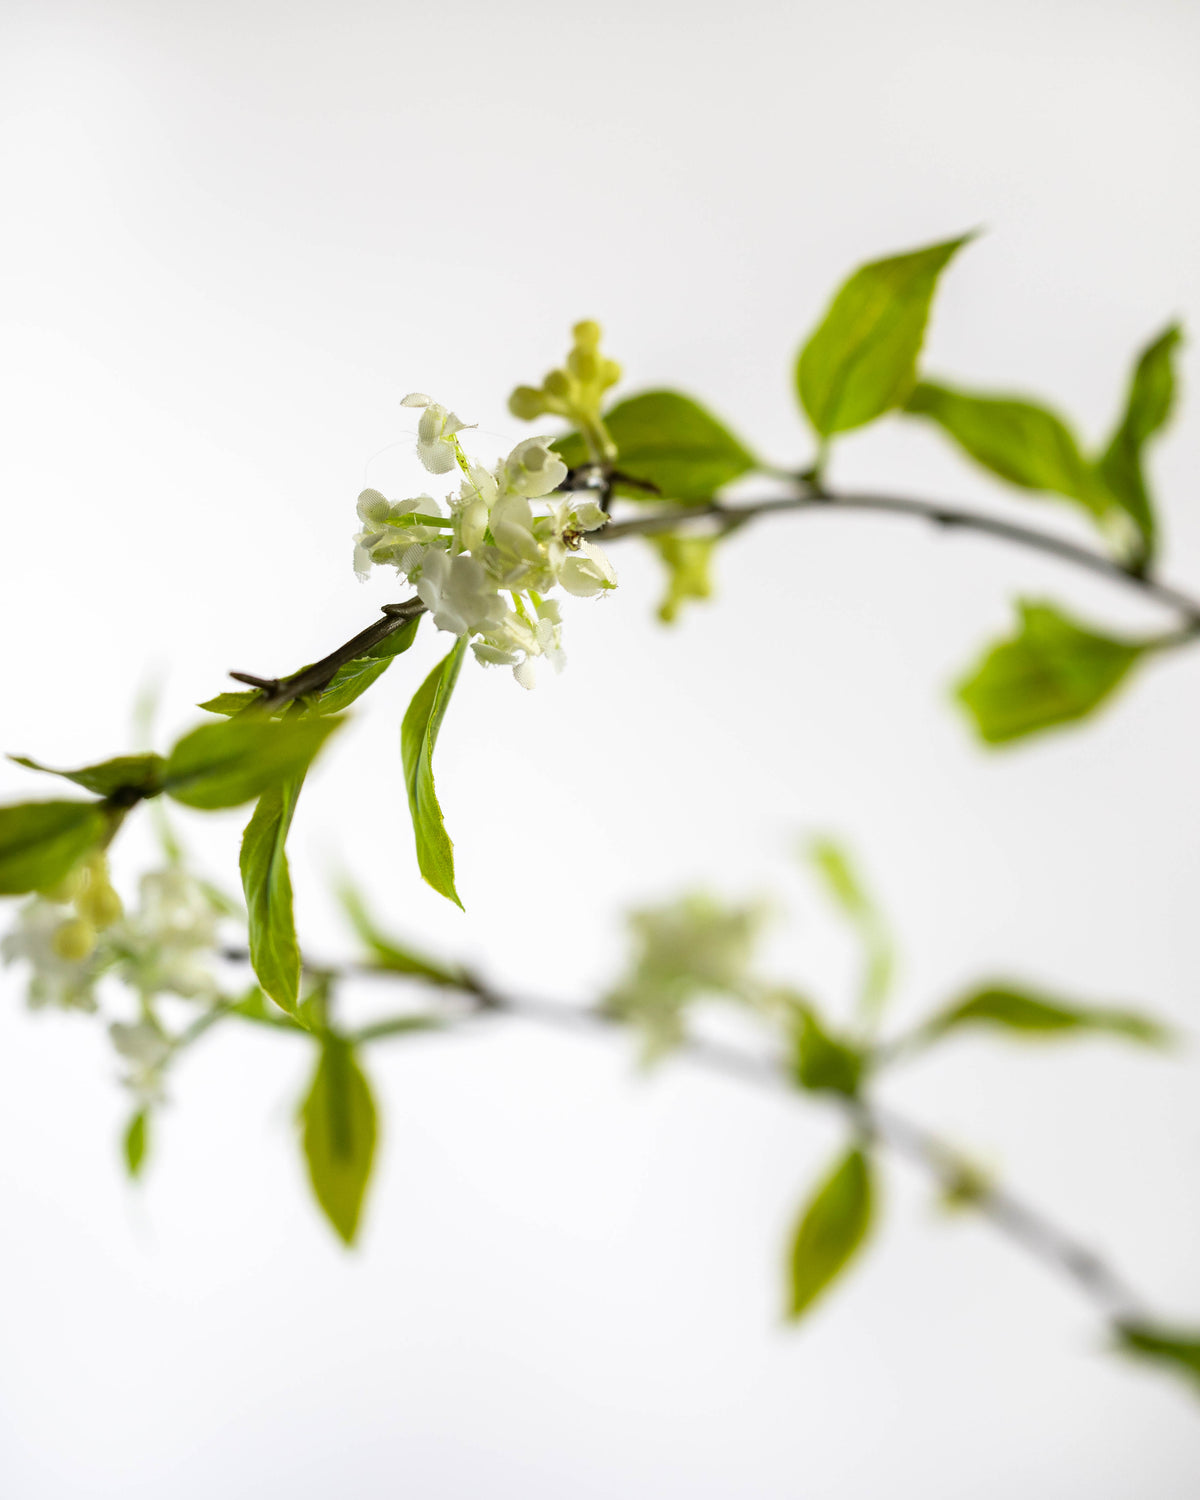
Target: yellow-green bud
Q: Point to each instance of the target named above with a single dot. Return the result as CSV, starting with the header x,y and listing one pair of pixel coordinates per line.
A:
x,y
66,889
526,403
587,334
558,383
610,373
583,363
74,940
100,905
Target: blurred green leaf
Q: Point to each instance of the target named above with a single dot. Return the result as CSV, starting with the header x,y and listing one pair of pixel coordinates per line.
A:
x,y
418,736
1147,410
135,1142
385,952
139,773
861,360
1178,1350
41,842
224,765
671,442
267,883
688,561
1023,443
1051,672
823,1063
339,1132
833,864
831,1229
1010,1009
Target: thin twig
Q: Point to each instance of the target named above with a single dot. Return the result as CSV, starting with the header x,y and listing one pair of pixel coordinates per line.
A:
x,y
395,616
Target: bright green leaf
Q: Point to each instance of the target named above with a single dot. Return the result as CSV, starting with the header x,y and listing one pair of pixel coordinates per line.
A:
x,y
861,361
339,1131
688,561
41,842
833,865
1025,444
831,1229
385,952
399,641
134,1143
224,765
671,442
418,736
1147,410
1178,1350
1051,672
230,703
1009,1009
274,950
134,773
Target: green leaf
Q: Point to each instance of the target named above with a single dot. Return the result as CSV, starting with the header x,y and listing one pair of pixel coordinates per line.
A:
x,y
833,865
823,1063
1051,672
135,1142
339,1131
385,952
41,842
1177,1349
831,1229
1147,410
230,703
861,361
224,765
134,773
418,736
399,641
1023,443
274,950
671,442
688,561
1009,1009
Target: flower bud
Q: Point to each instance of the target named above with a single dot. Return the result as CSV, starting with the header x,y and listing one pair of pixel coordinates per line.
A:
x,y
74,940
583,363
610,373
586,334
526,403
558,383
100,905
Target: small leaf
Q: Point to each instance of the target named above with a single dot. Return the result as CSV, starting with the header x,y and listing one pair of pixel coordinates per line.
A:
x,y
385,952
224,765
1023,443
822,1062
418,736
41,842
861,361
399,641
688,561
671,442
833,865
832,1228
1051,672
274,950
135,1142
1147,411
136,773
230,703
1009,1009
339,1131
1177,1349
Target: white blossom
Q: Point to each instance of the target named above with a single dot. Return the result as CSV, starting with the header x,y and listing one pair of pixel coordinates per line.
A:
x,y
509,538
53,980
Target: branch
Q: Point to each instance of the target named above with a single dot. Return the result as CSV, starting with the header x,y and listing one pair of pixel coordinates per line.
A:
x,y
1021,1223
278,691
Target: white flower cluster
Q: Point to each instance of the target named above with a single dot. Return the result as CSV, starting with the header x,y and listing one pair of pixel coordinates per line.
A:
x,y
490,544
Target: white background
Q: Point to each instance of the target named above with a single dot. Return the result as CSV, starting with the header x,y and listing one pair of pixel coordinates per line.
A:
x,y
234,235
